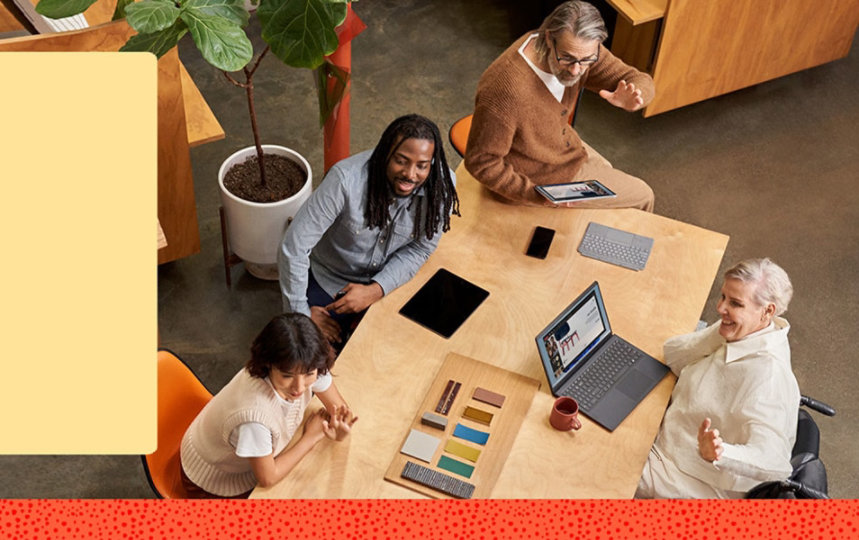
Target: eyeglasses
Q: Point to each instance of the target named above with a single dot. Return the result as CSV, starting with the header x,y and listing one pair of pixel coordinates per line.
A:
x,y
569,61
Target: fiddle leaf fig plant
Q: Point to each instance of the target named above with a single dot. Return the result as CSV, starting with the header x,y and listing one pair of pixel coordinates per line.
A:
x,y
298,32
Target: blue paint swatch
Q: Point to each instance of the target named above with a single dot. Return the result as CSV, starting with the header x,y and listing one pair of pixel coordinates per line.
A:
x,y
469,434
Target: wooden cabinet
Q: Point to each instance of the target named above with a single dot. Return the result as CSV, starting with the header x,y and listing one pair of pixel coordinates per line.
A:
x,y
698,49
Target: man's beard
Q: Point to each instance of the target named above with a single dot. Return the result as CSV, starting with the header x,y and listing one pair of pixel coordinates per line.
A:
x,y
567,79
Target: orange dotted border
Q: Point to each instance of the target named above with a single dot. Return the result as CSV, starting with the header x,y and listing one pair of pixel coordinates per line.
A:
x,y
380,519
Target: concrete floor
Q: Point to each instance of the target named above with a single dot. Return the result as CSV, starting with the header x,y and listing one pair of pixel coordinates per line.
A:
x,y
774,166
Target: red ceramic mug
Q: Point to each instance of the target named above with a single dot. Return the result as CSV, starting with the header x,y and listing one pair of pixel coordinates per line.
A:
x,y
565,414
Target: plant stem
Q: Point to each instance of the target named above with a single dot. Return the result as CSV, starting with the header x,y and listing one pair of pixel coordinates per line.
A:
x,y
248,85
249,89
249,75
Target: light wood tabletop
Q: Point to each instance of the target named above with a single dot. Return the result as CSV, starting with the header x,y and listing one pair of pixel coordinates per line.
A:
x,y
386,369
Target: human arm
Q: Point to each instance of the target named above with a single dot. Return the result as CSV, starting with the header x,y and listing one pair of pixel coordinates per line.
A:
x,y
489,142
310,223
754,441
618,83
680,351
271,469
327,325
395,254
340,418
406,260
356,297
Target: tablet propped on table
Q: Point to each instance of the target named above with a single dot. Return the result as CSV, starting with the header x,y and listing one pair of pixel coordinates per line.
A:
x,y
574,191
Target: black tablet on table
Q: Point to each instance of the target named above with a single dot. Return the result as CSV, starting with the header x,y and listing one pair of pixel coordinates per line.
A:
x,y
444,303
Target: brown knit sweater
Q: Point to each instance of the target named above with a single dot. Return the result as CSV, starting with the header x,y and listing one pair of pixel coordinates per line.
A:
x,y
520,134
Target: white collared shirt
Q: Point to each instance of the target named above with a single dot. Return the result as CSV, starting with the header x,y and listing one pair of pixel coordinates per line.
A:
x,y
552,83
749,392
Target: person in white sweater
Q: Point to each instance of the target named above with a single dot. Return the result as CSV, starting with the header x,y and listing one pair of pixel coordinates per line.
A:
x,y
732,419
239,439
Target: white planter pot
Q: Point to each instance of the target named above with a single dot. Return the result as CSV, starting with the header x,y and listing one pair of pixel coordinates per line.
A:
x,y
256,230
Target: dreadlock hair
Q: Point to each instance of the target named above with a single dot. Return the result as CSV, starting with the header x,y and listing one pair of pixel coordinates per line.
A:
x,y
440,192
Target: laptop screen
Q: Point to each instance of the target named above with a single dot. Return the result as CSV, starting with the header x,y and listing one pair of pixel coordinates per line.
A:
x,y
577,331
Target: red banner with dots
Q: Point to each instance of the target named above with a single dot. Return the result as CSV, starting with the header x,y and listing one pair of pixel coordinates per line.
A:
x,y
345,519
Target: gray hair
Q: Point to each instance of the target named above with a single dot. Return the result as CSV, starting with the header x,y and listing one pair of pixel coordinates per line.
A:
x,y
579,18
772,286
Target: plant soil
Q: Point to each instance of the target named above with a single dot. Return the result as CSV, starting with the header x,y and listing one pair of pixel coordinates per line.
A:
x,y
284,178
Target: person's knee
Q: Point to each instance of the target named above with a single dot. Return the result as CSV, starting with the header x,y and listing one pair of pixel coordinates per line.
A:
x,y
649,198
643,196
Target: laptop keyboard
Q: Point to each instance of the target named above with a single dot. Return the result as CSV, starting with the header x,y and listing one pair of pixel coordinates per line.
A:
x,y
596,245
595,380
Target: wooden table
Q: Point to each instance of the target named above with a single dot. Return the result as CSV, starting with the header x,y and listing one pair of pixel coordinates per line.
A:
x,y
386,368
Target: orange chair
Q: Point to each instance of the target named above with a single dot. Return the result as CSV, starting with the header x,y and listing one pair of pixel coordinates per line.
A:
x,y
181,396
458,133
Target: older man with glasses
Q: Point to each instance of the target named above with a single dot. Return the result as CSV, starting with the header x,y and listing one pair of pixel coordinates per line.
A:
x,y
521,134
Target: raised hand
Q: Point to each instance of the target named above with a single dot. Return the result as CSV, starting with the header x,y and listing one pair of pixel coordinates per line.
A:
x,y
625,96
337,426
709,443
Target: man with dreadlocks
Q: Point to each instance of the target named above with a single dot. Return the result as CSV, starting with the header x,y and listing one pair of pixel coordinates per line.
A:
x,y
368,228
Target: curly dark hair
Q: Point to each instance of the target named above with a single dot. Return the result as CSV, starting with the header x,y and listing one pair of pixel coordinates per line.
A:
x,y
289,341
441,197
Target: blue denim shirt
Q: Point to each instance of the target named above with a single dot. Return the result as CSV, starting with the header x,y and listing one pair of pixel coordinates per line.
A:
x,y
329,236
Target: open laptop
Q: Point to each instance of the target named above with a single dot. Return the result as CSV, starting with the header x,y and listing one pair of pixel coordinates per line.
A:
x,y
583,359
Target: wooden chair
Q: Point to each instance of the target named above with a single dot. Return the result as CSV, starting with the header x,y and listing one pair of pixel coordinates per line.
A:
x,y
181,396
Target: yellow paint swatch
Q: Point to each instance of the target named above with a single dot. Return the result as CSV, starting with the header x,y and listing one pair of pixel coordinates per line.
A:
x,y
459,449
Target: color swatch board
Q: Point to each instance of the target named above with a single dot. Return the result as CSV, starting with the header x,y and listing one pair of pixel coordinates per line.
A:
x,y
454,456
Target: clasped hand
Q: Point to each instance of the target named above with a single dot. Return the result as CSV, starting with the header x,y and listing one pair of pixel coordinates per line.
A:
x,y
626,96
709,443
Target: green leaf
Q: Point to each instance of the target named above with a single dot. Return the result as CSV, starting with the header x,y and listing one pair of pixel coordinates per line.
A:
x,y
231,10
300,32
151,16
57,9
119,12
331,82
221,42
340,8
157,42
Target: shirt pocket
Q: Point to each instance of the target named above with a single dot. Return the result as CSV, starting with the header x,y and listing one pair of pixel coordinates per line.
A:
x,y
402,234
350,231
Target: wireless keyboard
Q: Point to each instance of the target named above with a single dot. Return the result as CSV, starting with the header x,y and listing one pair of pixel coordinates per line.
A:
x,y
615,246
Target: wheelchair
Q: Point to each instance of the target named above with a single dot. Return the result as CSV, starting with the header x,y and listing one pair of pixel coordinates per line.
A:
x,y
808,479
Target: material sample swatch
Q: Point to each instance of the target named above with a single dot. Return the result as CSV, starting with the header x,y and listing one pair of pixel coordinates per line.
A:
x,y
459,449
454,466
420,445
473,435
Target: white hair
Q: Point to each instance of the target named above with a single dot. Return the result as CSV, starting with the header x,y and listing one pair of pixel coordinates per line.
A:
x,y
772,285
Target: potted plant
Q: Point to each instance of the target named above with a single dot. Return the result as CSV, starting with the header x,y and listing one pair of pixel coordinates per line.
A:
x,y
258,205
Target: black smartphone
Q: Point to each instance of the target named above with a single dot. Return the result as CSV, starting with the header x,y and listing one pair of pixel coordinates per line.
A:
x,y
540,242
